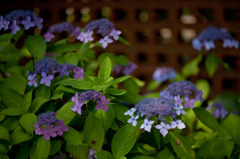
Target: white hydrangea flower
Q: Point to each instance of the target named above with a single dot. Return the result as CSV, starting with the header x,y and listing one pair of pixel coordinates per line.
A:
x,y
178,123
163,128
147,125
130,112
133,120
179,110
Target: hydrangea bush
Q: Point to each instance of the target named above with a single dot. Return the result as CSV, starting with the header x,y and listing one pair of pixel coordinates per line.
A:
x,y
59,100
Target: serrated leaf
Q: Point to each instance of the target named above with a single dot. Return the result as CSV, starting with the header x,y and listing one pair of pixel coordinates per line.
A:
x,y
117,80
104,155
65,113
105,70
66,89
204,86
73,137
27,121
36,46
106,117
3,149
18,137
36,104
43,91
42,150
211,63
94,132
84,48
83,83
4,134
12,111
181,147
57,95
116,91
123,141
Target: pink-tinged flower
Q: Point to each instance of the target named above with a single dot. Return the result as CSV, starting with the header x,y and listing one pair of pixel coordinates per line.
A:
x,y
48,132
32,80
48,36
46,79
189,103
103,103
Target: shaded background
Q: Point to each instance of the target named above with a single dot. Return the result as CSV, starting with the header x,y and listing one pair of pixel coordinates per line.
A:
x,y
160,31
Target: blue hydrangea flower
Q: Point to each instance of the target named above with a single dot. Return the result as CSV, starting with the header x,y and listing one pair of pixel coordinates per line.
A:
x,y
218,110
129,68
78,72
105,41
46,79
206,38
62,70
85,36
49,126
48,36
47,65
179,110
32,80
162,74
15,19
102,103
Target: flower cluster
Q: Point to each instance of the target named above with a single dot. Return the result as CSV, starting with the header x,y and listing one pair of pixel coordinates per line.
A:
x,y
79,100
207,37
127,69
184,89
49,126
48,67
103,27
162,108
58,28
15,19
162,74
218,110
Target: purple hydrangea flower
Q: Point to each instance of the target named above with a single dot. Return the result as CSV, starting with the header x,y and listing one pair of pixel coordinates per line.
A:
x,y
129,68
48,36
49,126
78,72
163,128
19,17
76,31
207,37
47,65
105,41
46,79
103,103
117,68
61,27
189,103
85,36
91,154
115,34
218,110
178,100
156,107
32,80
162,74
62,70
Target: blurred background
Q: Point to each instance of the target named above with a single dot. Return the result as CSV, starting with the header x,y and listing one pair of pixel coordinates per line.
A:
x,y
160,31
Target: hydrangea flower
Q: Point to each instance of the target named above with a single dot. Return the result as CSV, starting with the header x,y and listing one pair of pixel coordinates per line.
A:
x,y
130,112
85,96
179,110
218,110
16,18
32,80
46,64
49,126
62,70
129,68
147,125
46,79
103,27
178,123
163,128
78,72
189,103
162,74
133,120
48,36
206,38
178,100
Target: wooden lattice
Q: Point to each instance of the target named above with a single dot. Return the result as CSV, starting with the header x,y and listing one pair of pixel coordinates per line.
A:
x,y
160,31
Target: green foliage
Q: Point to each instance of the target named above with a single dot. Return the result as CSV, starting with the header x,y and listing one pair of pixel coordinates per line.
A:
x,y
36,45
27,121
105,70
65,113
231,124
43,149
104,155
73,137
211,63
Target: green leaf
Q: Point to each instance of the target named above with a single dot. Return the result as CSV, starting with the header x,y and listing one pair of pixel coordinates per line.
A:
x,y
11,98
2,117
6,37
142,157
18,137
65,113
60,48
43,149
104,155
191,68
84,48
216,148
66,89
16,82
117,80
11,123
124,41
211,63
120,59
106,117
12,111
55,146
204,86
10,54
57,95
119,110
153,85
94,132
116,91
23,152
83,83
36,104
105,70
231,124
73,137
27,121
130,98
78,151
27,101
131,86
43,91
71,58
123,141
165,154
206,118
3,156
4,135
3,149
181,147
36,46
